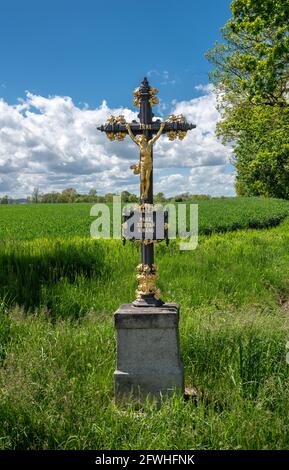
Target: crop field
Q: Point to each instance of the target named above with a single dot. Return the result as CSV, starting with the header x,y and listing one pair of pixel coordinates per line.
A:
x,y
26,222
59,289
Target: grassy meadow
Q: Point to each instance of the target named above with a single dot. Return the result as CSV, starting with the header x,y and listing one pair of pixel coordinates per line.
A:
x,y
58,292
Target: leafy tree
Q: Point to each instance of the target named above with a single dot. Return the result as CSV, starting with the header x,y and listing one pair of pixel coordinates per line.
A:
x,y
4,199
125,195
261,150
253,63
92,192
68,195
109,197
159,198
251,79
53,197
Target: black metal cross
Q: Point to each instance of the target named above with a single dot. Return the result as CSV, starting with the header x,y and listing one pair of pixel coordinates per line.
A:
x,y
116,128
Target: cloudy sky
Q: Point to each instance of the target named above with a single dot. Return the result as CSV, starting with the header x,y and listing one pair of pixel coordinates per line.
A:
x,y
48,136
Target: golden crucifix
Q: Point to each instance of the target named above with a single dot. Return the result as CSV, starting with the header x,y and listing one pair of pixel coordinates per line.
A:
x,y
144,167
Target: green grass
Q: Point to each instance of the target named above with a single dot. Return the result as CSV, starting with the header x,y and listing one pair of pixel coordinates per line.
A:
x,y
57,348
27,222
57,386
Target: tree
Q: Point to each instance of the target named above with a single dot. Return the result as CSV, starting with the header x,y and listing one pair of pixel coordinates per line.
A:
x,y
251,80
35,196
159,198
68,195
262,151
4,199
50,198
253,64
92,192
109,197
125,195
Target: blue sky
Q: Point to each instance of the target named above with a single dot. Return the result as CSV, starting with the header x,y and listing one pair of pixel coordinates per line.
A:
x,y
93,50
67,65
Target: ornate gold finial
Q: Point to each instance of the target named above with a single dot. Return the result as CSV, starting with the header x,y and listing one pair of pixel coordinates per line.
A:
x,y
172,135
136,102
182,134
116,120
110,120
154,100
120,135
153,91
120,119
110,135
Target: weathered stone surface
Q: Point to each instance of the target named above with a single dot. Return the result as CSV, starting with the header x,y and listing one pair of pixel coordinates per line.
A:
x,y
148,356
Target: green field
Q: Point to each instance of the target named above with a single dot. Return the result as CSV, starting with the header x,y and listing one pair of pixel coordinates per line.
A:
x,y
59,289
26,222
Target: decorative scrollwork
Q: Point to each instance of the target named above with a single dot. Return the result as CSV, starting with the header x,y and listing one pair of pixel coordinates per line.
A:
x,y
136,101
112,120
153,90
154,100
174,134
120,119
147,277
176,118
120,135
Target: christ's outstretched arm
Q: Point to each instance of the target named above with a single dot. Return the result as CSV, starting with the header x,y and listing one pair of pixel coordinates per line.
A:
x,y
155,138
130,133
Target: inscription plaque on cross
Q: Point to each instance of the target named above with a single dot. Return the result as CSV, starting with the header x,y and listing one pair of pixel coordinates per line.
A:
x,y
144,134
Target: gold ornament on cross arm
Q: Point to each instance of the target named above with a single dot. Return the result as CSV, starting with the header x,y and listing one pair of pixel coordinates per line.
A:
x,y
172,135
116,120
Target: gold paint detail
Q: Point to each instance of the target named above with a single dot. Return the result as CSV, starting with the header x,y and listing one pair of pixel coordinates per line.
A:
x,y
120,135
116,120
172,135
120,119
110,120
145,127
144,166
154,100
136,101
153,90
152,97
147,241
147,277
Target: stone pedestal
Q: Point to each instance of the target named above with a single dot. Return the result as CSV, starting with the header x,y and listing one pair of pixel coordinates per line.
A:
x,y
148,356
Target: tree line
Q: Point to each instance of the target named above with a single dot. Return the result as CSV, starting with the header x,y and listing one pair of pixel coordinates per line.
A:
x,y
70,195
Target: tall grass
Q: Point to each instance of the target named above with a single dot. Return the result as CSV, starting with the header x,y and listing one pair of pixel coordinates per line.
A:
x,y
73,277
57,386
57,347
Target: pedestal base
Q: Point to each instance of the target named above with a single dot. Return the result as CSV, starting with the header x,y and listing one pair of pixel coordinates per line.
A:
x,y
148,356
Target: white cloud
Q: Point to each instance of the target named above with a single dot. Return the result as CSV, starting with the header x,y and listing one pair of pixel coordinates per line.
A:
x,y
53,144
163,77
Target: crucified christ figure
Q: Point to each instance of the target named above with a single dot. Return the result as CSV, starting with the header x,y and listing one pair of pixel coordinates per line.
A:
x,y
144,167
